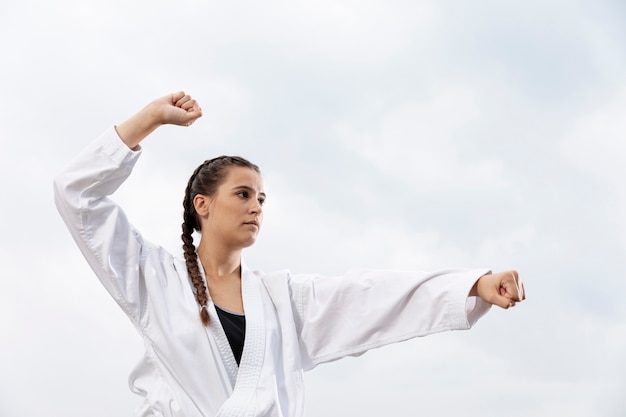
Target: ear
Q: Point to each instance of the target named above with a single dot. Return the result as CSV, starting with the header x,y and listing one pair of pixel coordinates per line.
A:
x,y
201,203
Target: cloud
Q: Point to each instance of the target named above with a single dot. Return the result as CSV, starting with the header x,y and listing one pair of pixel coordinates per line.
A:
x,y
418,145
345,32
596,145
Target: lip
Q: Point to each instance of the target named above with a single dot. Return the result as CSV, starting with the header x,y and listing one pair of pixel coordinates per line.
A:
x,y
253,223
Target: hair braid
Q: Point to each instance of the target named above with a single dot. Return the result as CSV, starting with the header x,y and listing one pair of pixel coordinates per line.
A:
x,y
205,180
190,222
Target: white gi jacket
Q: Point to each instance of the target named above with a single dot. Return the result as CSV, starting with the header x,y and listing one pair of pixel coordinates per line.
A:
x,y
293,322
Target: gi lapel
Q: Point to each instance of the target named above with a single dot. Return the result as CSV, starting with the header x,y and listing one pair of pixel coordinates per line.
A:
x,y
241,402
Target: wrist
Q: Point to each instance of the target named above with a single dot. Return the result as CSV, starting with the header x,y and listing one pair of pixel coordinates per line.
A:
x,y
474,291
152,116
135,129
477,288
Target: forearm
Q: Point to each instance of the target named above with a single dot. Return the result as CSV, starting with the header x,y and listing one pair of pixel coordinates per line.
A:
x,y
139,126
361,310
177,109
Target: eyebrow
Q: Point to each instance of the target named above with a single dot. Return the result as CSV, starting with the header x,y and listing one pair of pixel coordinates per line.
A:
x,y
248,188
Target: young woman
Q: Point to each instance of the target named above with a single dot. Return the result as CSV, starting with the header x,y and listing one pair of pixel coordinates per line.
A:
x,y
221,339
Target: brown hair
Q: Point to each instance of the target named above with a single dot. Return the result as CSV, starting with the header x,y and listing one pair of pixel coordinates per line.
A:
x,y
205,180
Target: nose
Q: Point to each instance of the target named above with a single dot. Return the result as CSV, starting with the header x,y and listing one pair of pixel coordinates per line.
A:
x,y
256,207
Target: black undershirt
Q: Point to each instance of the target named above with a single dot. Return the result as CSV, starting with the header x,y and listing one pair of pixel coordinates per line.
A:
x,y
234,326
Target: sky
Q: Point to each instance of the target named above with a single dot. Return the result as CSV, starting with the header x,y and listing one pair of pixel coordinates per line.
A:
x,y
391,134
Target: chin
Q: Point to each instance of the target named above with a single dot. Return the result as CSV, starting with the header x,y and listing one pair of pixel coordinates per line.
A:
x,y
248,243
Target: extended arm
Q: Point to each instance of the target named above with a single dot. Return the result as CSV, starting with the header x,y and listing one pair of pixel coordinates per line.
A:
x,y
111,246
365,309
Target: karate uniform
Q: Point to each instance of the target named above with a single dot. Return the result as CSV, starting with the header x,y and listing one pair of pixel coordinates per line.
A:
x,y
293,322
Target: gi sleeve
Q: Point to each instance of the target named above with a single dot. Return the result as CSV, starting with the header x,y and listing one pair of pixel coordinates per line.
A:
x,y
365,309
111,246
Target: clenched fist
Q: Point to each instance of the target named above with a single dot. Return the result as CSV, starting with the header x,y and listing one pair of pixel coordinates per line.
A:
x,y
503,289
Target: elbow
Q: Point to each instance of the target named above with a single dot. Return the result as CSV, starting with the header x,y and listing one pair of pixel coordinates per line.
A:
x,y
58,188
64,198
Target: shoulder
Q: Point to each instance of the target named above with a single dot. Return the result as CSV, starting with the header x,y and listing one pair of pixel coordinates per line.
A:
x,y
276,282
274,275
155,258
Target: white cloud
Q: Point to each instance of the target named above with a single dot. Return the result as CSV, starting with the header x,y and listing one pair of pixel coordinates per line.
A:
x,y
507,248
347,32
418,144
596,144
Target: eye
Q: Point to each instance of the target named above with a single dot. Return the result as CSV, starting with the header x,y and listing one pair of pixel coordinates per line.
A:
x,y
243,194
261,200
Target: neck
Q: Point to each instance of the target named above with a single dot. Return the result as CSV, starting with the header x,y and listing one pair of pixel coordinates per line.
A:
x,y
218,261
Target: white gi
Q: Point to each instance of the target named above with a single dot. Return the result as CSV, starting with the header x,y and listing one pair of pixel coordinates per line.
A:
x,y
293,322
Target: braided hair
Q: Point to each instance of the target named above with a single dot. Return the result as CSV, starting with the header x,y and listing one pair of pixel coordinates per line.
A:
x,y
205,180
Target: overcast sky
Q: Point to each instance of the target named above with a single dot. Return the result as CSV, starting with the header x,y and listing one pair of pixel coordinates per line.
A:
x,y
391,134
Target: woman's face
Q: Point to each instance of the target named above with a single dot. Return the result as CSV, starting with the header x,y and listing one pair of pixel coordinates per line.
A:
x,y
234,214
